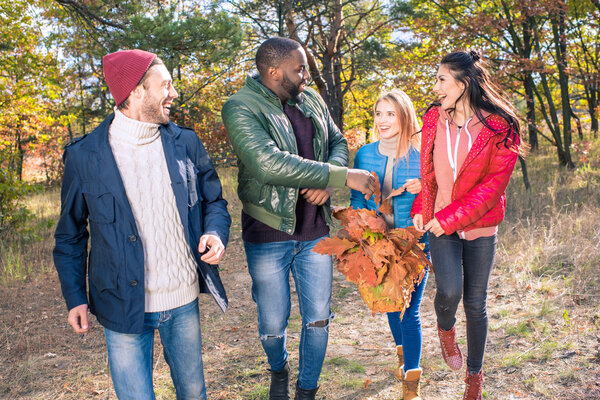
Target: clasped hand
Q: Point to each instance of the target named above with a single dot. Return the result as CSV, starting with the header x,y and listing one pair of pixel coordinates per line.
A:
x,y
215,246
432,226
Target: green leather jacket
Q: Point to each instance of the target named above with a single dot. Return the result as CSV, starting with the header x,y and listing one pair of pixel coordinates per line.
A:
x,y
271,173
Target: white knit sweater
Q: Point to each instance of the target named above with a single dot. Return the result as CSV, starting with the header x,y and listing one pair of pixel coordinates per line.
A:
x,y
169,266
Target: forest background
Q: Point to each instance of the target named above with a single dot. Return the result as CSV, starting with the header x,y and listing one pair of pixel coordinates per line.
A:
x,y
545,54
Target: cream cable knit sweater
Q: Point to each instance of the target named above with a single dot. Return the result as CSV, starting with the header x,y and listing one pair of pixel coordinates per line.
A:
x,y
169,266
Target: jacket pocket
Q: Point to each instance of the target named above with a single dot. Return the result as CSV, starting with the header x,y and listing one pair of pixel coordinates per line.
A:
x,y
102,270
100,204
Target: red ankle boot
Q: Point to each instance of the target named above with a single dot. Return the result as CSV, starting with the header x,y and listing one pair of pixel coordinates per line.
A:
x,y
450,350
474,386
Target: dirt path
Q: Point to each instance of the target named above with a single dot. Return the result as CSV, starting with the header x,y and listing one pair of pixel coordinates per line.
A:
x,y
43,359
543,344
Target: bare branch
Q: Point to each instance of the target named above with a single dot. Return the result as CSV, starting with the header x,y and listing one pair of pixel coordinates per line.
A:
x,y
87,15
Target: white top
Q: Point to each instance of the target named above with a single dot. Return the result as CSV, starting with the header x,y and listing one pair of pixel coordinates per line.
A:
x,y
169,266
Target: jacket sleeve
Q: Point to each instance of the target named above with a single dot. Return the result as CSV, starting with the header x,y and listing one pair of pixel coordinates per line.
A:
x,y
484,195
262,157
357,199
417,205
214,208
71,236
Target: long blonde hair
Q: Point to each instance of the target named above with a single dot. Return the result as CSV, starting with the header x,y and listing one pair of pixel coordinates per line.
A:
x,y
410,132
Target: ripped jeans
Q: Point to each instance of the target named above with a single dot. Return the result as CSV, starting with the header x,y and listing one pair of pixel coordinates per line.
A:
x,y
269,265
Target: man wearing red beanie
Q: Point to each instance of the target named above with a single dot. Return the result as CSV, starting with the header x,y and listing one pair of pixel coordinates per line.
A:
x,y
146,192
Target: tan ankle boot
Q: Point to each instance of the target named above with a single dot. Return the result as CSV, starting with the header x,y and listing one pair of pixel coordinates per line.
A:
x,y
474,386
411,384
400,354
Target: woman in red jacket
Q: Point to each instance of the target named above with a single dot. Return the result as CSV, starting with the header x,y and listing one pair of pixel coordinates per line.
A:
x,y
470,144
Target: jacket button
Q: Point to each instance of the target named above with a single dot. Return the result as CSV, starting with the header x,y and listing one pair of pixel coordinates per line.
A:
x,y
133,283
132,238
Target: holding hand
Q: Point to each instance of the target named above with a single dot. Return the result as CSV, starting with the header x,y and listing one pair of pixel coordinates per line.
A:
x,y
418,222
215,246
318,197
434,227
78,319
361,180
413,186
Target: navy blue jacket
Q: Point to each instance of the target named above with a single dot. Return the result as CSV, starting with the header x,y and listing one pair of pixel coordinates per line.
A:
x,y
93,192
369,158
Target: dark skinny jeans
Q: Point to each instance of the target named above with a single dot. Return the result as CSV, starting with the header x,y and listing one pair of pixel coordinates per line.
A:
x,y
462,268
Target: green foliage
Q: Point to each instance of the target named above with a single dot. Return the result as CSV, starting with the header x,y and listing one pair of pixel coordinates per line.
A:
x,y
12,213
198,43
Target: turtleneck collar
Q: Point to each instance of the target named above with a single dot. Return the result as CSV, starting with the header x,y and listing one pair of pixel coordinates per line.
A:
x,y
133,132
387,147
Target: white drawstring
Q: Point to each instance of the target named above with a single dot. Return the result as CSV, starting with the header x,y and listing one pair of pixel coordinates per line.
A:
x,y
453,160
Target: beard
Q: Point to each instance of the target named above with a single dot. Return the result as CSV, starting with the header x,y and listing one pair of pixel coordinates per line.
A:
x,y
152,110
291,88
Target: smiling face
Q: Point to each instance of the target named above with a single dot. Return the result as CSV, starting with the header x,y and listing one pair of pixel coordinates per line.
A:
x,y
158,96
448,89
293,75
386,120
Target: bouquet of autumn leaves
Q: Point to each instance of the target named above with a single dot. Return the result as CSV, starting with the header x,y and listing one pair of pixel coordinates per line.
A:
x,y
385,264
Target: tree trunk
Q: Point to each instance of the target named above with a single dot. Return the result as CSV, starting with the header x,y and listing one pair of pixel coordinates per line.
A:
x,y
328,79
528,36
560,44
533,139
19,153
525,174
593,101
578,122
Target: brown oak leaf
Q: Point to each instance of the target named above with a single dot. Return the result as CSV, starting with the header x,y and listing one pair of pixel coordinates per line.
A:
x,y
333,246
386,207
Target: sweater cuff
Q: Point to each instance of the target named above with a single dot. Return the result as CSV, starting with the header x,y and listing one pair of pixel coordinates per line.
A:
x,y
337,176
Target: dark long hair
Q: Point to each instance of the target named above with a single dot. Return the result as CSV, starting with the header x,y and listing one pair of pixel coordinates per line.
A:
x,y
482,93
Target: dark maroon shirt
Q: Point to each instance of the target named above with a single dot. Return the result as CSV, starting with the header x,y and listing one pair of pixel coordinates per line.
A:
x,y
310,220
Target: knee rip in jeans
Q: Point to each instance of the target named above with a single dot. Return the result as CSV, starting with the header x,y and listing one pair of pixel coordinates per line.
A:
x,y
270,337
322,324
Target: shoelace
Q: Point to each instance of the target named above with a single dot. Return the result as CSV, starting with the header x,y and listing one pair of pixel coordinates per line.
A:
x,y
412,386
472,389
446,350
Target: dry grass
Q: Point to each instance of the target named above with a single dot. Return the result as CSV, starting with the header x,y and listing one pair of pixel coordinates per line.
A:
x,y
544,307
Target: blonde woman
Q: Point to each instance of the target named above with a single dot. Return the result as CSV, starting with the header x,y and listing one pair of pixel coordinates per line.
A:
x,y
395,157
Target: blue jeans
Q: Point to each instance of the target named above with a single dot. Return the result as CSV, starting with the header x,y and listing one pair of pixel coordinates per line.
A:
x,y
407,332
462,269
269,265
130,355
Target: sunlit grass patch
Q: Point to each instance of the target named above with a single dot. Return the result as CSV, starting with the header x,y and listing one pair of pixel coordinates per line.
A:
x,y
348,365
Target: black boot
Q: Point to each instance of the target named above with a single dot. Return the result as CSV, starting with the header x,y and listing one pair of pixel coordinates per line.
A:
x,y
305,394
280,380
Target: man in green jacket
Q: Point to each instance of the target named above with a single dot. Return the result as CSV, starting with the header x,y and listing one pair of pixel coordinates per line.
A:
x,y
290,152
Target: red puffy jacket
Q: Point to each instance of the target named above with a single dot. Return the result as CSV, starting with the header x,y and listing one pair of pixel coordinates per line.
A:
x,y
478,194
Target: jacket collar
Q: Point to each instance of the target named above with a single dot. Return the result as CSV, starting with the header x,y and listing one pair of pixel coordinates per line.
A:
x,y
253,82
430,121
108,171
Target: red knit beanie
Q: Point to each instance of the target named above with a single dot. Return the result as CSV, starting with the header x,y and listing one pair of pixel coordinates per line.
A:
x,y
123,71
